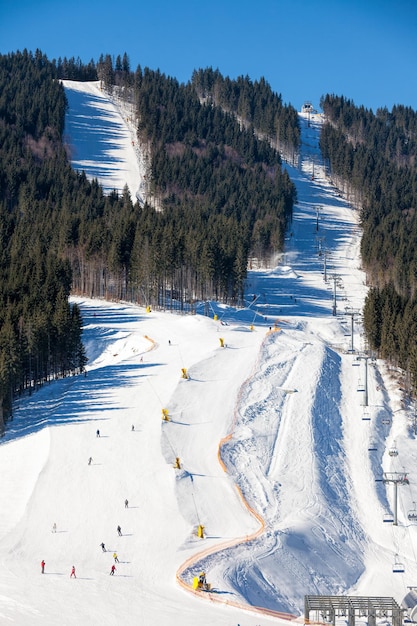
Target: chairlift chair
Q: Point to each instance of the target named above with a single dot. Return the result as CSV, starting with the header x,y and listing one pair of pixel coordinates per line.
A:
x,y
398,568
372,447
388,518
366,417
393,450
412,513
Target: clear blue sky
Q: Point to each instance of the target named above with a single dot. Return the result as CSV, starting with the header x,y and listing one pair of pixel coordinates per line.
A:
x,y
365,50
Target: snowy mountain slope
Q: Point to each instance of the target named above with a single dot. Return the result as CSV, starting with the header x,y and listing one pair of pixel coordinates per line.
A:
x,y
299,509
97,131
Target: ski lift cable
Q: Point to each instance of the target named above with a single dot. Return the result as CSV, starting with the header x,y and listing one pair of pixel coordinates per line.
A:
x,y
398,566
181,359
196,511
396,547
153,389
164,432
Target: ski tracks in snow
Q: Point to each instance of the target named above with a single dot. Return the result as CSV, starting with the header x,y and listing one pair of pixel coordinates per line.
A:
x,y
282,403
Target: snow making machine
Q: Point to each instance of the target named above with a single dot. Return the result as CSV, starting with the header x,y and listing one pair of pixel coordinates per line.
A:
x,y
200,583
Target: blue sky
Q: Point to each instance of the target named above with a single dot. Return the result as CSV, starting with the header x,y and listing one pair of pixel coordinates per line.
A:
x,y
362,49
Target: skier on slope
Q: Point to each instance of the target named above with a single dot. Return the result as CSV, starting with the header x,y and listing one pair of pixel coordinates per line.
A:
x,y
113,569
119,531
103,547
73,572
43,566
116,560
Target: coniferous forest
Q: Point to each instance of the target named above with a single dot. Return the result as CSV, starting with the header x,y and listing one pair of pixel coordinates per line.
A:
x,y
218,199
216,179
372,158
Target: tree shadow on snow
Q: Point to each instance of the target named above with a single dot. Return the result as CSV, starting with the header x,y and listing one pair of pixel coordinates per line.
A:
x,y
71,400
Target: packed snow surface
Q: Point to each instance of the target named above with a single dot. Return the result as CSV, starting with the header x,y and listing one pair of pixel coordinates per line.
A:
x,y
98,131
281,438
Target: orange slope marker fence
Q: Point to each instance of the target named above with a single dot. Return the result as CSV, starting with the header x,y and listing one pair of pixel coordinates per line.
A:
x,y
152,342
231,543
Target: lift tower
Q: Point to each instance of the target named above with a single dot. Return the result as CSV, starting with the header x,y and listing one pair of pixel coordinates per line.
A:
x,y
365,358
353,314
396,478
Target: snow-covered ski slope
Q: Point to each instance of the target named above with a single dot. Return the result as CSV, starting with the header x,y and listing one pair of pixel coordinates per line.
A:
x,y
272,437
97,132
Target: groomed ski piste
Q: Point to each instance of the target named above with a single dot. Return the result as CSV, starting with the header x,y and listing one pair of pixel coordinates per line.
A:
x,y
280,458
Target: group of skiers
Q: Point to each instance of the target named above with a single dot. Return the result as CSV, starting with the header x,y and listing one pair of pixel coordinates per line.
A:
x,y
115,557
72,575
102,545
